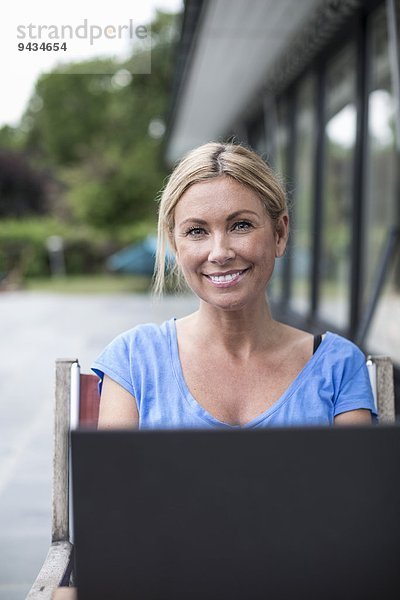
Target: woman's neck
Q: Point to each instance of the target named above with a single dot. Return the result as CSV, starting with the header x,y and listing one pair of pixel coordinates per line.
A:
x,y
240,333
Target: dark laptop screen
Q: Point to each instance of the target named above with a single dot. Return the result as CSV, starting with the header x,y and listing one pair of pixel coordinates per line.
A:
x,y
279,513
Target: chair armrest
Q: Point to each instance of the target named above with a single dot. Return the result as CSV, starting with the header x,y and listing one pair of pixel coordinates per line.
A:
x,y
56,568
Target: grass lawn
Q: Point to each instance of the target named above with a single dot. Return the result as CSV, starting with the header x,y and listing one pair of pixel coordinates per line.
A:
x,y
90,284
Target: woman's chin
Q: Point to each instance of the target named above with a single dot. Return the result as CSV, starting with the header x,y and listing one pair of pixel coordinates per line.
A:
x,y
228,302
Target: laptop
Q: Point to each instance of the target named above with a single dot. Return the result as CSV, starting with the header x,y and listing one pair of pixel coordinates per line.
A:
x,y
237,515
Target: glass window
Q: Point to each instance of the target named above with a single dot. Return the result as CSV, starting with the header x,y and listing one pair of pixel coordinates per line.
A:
x,y
384,333
302,213
275,288
340,135
282,139
256,134
380,207
270,119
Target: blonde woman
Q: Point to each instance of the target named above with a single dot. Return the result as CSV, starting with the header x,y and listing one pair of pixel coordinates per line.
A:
x,y
223,213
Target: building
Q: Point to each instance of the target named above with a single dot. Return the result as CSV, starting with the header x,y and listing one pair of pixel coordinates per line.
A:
x,y
313,85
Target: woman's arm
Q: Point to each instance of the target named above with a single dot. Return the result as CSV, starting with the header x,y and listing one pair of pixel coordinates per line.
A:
x,y
118,408
360,416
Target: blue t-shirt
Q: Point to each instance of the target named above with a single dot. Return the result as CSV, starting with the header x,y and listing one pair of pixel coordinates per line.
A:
x,y
145,361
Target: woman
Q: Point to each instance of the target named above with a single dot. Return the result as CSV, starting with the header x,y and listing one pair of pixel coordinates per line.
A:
x,y
229,364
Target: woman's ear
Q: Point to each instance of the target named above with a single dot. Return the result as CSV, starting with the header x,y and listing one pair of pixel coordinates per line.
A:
x,y
281,234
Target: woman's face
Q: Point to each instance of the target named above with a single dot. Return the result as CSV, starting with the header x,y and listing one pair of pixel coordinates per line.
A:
x,y
226,243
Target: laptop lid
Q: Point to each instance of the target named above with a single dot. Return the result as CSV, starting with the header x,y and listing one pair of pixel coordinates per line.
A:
x,y
278,513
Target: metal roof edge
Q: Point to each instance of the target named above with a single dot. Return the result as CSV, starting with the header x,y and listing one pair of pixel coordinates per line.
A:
x,y
193,17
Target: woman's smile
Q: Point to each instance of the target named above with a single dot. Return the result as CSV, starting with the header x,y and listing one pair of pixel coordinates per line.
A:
x,y
227,279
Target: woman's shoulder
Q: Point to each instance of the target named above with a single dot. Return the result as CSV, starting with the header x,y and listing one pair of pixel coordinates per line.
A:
x,y
143,343
339,350
335,341
145,333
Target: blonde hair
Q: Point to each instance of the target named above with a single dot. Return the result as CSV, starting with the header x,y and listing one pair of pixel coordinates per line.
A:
x,y
208,162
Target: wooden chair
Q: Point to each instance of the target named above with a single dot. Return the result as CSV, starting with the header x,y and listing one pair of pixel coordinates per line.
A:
x,y
77,403
380,369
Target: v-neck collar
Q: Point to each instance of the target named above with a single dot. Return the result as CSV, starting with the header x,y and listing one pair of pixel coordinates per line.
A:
x,y
203,414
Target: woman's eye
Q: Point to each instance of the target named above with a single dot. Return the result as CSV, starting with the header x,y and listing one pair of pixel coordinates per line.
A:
x,y
195,231
242,226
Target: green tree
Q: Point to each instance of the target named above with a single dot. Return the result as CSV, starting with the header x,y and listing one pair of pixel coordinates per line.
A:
x,y
102,133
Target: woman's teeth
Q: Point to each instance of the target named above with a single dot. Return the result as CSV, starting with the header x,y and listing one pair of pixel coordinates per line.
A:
x,y
227,277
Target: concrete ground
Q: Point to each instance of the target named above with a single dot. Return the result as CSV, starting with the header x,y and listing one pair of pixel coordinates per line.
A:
x,y
35,329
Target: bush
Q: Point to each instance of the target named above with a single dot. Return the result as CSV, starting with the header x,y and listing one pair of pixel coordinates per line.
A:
x,y
24,252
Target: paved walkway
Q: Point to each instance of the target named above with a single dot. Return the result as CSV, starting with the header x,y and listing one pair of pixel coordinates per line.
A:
x,y
35,329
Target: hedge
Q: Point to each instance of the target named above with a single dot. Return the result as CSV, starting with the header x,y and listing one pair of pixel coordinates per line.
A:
x,y
24,252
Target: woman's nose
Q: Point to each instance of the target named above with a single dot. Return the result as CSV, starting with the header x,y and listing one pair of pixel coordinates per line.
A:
x,y
221,250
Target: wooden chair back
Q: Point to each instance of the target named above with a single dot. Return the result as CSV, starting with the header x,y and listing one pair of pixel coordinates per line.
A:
x,y
76,404
380,369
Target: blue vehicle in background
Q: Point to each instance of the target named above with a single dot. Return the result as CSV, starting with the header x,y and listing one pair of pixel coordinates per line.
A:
x,y
138,259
